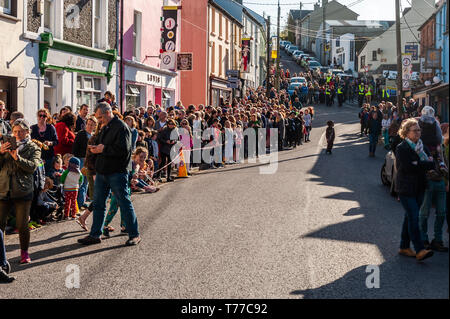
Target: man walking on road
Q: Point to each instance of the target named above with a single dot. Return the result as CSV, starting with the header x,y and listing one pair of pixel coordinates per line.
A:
x,y
112,165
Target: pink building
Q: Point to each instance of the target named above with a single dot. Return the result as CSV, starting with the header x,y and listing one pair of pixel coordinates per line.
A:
x,y
143,79
194,38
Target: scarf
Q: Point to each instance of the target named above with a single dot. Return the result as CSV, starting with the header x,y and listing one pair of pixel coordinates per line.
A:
x,y
22,143
418,148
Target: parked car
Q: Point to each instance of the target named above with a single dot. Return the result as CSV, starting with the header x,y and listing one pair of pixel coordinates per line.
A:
x,y
296,53
389,172
298,79
286,46
301,57
283,44
292,87
291,49
312,64
337,71
324,69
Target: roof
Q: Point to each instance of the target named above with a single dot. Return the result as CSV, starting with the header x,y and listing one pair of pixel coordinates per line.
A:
x,y
296,14
233,8
256,16
359,23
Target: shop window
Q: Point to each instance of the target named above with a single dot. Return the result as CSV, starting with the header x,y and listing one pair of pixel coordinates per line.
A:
x,y
133,96
5,6
166,99
88,91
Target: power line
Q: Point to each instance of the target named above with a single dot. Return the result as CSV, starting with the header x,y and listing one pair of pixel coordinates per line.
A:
x,y
404,18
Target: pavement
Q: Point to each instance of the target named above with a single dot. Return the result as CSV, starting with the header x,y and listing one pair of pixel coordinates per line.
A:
x,y
319,227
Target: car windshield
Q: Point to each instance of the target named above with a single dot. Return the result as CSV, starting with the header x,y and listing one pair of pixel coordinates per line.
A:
x,y
298,80
293,86
314,63
293,48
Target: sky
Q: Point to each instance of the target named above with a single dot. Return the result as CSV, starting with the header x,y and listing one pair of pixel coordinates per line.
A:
x,y
367,9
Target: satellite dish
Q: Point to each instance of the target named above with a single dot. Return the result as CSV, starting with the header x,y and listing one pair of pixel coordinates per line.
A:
x,y
427,83
436,79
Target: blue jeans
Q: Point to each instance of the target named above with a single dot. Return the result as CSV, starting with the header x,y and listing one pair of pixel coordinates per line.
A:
x,y
373,140
386,137
435,192
2,250
82,191
118,183
410,229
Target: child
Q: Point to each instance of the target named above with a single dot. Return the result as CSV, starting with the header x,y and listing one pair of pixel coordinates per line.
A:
x,y
72,179
330,135
45,204
66,158
56,171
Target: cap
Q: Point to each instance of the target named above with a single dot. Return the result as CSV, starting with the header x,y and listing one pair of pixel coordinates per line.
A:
x,y
22,123
75,160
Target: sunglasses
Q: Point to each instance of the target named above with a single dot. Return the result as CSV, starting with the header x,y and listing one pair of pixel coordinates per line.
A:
x,y
43,116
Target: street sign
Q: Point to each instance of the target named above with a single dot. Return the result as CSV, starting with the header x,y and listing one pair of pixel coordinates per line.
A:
x,y
406,70
232,73
412,49
168,60
233,85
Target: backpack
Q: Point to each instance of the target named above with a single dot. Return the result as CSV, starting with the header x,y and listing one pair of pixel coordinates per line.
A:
x,y
39,177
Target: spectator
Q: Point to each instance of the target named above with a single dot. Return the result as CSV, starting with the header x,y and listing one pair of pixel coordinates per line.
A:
x,y
82,117
64,132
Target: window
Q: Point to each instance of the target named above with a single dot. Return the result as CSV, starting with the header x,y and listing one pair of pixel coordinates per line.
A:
x,y
133,96
49,15
363,61
227,36
220,25
338,42
89,91
96,23
227,59
137,35
220,61
5,6
343,58
213,21
374,55
213,58
352,50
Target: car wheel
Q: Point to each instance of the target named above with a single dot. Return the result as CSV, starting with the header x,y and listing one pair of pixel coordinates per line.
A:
x,y
384,178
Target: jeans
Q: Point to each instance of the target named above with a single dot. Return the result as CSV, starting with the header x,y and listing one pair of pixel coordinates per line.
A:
x,y
386,137
2,250
373,140
118,184
435,193
82,191
410,229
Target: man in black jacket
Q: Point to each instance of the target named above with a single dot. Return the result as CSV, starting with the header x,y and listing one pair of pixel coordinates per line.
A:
x,y
113,166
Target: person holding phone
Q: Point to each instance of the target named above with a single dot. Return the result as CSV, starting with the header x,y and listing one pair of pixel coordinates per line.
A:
x,y
45,132
17,166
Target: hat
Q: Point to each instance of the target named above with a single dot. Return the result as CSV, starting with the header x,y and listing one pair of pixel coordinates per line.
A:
x,y
22,123
428,111
75,161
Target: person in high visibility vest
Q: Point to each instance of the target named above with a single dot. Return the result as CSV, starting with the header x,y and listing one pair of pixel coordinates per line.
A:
x,y
329,79
385,94
328,96
340,95
361,93
368,95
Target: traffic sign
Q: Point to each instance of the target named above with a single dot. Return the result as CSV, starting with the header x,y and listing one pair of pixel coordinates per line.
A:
x,y
168,60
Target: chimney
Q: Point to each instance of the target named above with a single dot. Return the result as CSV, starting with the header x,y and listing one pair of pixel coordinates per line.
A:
x,y
324,3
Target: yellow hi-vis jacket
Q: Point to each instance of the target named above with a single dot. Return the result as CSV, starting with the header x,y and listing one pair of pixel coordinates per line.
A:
x,y
361,90
385,92
340,91
369,92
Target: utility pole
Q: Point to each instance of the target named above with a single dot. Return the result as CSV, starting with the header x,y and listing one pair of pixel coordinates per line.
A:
x,y
300,25
324,41
277,76
269,54
399,59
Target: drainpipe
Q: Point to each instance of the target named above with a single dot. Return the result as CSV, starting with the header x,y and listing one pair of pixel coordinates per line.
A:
x,y
121,57
117,43
208,82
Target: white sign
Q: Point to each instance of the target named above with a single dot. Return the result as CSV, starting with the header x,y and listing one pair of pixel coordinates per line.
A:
x,y
422,67
407,70
76,61
392,75
168,60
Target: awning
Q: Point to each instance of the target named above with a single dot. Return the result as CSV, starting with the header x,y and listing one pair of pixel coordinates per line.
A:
x,y
166,95
133,90
441,88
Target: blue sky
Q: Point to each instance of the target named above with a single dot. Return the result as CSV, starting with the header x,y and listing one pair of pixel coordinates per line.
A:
x,y
367,9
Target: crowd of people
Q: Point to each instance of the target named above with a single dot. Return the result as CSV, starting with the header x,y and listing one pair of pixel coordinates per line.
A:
x,y
68,165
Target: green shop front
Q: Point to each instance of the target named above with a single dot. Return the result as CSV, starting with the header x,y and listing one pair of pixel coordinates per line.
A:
x,y
74,74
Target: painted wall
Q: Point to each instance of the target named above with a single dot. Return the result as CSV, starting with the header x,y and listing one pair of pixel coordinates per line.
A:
x,y
219,43
344,47
194,38
442,41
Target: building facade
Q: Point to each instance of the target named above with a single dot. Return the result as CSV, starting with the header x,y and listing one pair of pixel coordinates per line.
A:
x,y
380,53
12,55
144,81
71,53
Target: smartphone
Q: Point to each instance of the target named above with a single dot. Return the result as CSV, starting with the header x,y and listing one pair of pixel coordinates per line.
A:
x,y
11,140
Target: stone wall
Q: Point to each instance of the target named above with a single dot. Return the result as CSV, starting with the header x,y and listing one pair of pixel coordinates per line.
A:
x,y
34,20
82,34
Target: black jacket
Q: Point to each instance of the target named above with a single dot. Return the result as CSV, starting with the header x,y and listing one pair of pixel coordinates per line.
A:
x,y
411,180
163,137
116,156
80,144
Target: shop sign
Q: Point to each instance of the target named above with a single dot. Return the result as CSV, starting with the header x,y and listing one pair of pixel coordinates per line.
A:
x,y
169,29
339,50
75,61
412,49
184,61
433,58
245,57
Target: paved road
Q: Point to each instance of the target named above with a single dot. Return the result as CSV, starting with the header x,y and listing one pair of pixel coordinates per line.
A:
x,y
308,231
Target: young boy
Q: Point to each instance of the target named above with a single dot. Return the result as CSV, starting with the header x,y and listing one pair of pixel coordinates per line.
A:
x,y
330,135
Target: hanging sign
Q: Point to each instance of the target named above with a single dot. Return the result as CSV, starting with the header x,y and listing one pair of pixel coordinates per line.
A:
x,y
184,61
168,61
246,54
169,29
406,70
412,49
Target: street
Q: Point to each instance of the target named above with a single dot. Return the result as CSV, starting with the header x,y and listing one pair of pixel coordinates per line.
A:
x,y
308,231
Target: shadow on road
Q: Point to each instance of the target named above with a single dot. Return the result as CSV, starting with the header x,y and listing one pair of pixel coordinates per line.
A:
x,y
379,223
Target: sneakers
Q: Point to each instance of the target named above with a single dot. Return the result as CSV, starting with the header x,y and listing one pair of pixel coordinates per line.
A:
x,y
5,278
424,254
408,252
133,241
89,240
24,257
438,246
